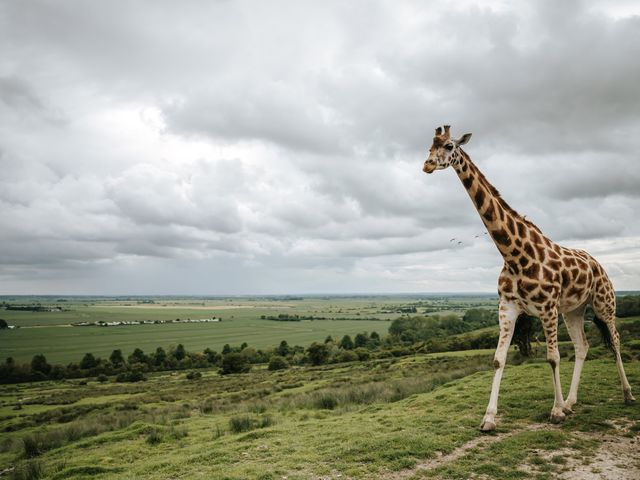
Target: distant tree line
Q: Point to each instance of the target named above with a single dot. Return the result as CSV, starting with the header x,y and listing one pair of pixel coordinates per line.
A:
x,y
232,359
407,336
628,306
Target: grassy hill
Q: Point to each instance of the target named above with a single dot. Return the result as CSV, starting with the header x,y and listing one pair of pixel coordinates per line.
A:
x,y
414,417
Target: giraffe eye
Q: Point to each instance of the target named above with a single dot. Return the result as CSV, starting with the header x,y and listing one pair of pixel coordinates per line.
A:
x,y
448,146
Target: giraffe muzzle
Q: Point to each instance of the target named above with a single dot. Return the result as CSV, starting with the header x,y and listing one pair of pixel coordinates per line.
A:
x,y
428,167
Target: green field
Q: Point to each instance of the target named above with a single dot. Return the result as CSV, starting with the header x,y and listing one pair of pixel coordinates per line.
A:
x,y
409,418
49,333
66,344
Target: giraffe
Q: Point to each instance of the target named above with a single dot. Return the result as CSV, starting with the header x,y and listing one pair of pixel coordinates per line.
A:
x,y
539,277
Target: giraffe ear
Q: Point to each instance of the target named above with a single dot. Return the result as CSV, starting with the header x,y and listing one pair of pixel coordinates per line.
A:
x,y
463,139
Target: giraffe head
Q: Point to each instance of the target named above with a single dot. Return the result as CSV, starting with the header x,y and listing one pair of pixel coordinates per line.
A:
x,y
445,150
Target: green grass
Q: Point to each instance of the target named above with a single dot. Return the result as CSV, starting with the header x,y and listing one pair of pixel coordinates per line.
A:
x,y
359,420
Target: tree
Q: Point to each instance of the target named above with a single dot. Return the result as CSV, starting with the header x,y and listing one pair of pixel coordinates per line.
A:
x,y
283,349
212,356
243,346
3,324
88,361
374,338
116,358
360,340
346,343
226,349
39,364
138,356
329,339
179,353
234,362
278,363
318,353
159,357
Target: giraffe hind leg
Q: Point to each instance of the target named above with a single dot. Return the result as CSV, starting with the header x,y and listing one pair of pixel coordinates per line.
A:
x,y
604,307
575,326
612,341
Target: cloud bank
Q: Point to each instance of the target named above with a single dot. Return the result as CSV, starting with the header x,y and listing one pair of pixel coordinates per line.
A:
x,y
252,147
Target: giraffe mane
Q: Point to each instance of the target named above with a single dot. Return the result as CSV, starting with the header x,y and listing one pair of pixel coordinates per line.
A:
x,y
496,194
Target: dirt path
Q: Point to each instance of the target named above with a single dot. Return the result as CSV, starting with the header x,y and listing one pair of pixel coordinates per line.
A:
x,y
483,442
617,457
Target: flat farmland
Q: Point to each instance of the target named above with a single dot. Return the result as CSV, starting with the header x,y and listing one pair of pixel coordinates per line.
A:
x,y
66,344
50,332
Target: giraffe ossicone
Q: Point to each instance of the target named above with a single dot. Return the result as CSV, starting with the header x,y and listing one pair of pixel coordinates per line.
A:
x,y
539,278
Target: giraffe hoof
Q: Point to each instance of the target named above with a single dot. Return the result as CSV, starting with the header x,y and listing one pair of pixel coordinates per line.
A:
x,y
567,411
557,417
629,400
487,426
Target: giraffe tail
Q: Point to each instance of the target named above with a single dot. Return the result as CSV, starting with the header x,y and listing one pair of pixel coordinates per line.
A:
x,y
604,332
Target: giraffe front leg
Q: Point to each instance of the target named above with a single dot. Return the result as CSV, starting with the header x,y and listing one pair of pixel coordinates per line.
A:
x,y
550,324
508,314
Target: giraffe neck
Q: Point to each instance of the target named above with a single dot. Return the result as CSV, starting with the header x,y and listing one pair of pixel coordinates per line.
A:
x,y
510,231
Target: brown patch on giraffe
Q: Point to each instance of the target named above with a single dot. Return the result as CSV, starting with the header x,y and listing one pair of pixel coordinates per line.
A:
x,y
541,252
511,225
526,286
479,197
535,237
522,230
506,284
582,278
518,243
501,237
489,214
574,292
532,271
552,254
565,278
539,297
468,181
528,250
554,264
496,362
548,274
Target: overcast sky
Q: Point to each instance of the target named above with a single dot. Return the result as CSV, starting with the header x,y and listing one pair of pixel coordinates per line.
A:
x,y
251,147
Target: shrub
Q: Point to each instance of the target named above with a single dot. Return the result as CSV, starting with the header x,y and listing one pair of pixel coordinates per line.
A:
x,y
131,376
154,437
241,423
30,470
278,363
244,423
194,375
234,362
325,401
347,356
318,353
102,378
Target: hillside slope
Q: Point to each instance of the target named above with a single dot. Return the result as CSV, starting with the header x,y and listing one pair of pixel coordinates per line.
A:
x,y
382,419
